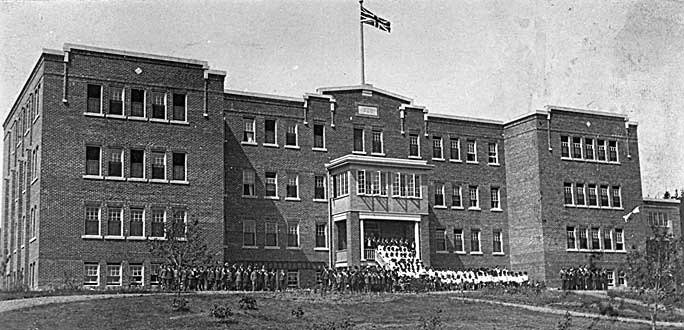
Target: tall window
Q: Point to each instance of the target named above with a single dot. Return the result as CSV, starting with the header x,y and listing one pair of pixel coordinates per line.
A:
x,y
271,184
248,183
292,279
475,246
158,221
589,148
319,136
158,165
319,187
113,274
137,224
474,197
321,235
601,150
567,193
293,235
437,147
493,154
471,155
341,184
248,130
577,147
248,233
179,107
114,221
456,199
179,222
137,103
361,182
358,140
607,240
440,240
116,101
155,270
179,167
592,198
565,146
137,163
93,160
271,234
94,99
114,166
455,150
583,243
580,194
439,194
414,145
617,197
136,274
91,273
92,220
595,239
377,142
270,134
496,241
158,105
291,135
604,197
619,240
293,186
571,240
496,200
459,245
612,151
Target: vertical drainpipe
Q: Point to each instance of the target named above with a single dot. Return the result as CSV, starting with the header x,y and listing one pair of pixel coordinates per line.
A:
x,y
629,154
306,110
402,117
425,121
331,250
548,129
65,80
206,93
332,112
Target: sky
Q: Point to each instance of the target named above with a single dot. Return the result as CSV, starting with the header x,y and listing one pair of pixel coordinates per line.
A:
x,y
487,59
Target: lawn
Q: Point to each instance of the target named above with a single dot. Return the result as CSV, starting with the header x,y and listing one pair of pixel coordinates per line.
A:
x,y
275,311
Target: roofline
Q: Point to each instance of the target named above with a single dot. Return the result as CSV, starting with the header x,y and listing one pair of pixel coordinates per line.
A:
x,y
368,87
53,51
525,115
661,200
463,118
69,47
586,111
264,95
370,160
26,83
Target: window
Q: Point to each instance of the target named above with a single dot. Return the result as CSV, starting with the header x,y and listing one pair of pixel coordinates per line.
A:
x,y
32,228
621,280
293,235
580,194
493,154
136,274
595,239
158,165
271,234
414,145
471,155
612,151
589,149
437,147
271,184
248,233
270,134
321,235
361,182
94,99
92,274
474,197
496,241
137,103
93,160
619,240
114,166
593,201
248,183
459,245
601,156
403,185
607,240
34,164
116,101
416,191
137,225
565,147
439,194
319,136
341,235
455,152
571,240
155,270
179,107
114,221
92,221
291,135
496,202
456,200
113,274
577,148
583,243
179,167
611,278
475,241
617,196
377,142
341,184
158,105
358,140
158,222
292,279
440,240
319,187
248,130
293,186
604,196
658,219
567,193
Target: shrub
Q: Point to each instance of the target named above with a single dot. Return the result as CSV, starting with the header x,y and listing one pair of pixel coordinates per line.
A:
x,y
248,303
180,305
223,313
298,313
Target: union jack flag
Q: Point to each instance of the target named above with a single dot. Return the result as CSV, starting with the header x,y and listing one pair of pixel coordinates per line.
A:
x,y
367,17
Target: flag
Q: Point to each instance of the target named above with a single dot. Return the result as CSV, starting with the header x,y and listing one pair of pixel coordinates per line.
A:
x,y
367,17
628,215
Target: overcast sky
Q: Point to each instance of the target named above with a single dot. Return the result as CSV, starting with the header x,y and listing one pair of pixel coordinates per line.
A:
x,y
489,59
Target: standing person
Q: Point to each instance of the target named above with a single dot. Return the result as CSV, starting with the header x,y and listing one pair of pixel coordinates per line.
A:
x,y
253,277
210,278
218,277
283,280
184,278
238,279
325,276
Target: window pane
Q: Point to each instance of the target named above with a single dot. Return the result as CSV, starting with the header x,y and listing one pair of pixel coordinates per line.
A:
x,y
158,165
318,136
137,103
137,222
93,160
179,107
157,223
270,131
158,105
137,161
92,221
358,139
178,166
114,221
114,166
116,101
94,99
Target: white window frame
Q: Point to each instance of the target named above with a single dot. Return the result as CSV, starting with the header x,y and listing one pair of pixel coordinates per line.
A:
x,y
299,243
621,240
244,181
325,146
117,267
296,198
612,240
185,108
417,136
463,247
185,167
163,223
123,102
292,286
142,274
131,221
166,107
567,140
496,154
596,193
361,182
296,133
477,198
97,274
497,200
266,184
363,141
396,184
100,113
274,226
321,248
593,149
617,152
439,249
99,222
382,144
581,147
575,239
458,147
244,138
99,173
144,166
497,233
252,224
275,133
603,146
619,195
474,153
460,197
121,220
575,196
152,163
144,106
441,148
439,187
479,241
121,160
570,188
325,189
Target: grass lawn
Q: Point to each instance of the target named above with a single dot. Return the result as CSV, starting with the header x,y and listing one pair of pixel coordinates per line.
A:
x,y
396,311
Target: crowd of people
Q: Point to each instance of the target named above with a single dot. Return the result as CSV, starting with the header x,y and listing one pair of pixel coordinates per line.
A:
x,y
584,278
226,277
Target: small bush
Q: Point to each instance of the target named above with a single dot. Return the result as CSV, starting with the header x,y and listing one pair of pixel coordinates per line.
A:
x,y
248,303
222,313
180,305
343,324
298,313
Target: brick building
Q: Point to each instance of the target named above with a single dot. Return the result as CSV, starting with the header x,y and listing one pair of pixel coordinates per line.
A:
x,y
102,147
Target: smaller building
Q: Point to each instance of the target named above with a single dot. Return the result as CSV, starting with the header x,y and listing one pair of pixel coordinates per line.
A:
x,y
662,213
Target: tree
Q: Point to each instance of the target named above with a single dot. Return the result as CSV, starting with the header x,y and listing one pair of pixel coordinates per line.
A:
x,y
657,272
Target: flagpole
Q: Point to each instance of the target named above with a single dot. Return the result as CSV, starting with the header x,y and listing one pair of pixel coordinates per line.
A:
x,y
363,67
